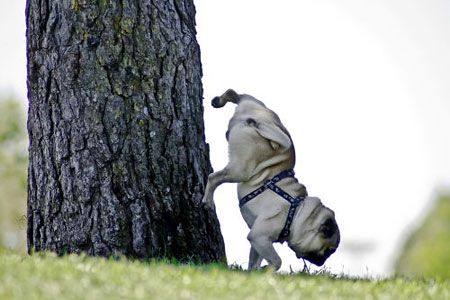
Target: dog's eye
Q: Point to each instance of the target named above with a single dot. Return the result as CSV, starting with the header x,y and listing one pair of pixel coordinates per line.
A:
x,y
328,228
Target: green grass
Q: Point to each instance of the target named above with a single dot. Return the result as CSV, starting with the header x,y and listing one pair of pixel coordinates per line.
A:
x,y
81,277
13,174
427,252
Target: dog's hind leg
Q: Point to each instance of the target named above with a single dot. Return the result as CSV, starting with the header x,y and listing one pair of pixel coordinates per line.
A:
x,y
275,135
217,178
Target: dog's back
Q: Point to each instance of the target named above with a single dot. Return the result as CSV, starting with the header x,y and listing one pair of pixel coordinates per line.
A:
x,y
257,138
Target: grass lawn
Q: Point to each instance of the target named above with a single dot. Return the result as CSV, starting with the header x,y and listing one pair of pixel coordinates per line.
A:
x,y
427,252
44,276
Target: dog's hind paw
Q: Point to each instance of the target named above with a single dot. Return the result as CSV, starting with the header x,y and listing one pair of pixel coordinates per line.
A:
x,y
210,206
208,203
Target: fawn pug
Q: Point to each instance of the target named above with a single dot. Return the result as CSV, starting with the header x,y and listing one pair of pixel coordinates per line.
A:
x,y
275,206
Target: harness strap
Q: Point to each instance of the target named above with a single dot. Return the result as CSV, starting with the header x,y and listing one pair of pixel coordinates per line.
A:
x,y
271,184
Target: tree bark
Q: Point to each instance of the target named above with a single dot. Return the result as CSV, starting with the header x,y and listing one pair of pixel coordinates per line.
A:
x,y
118,159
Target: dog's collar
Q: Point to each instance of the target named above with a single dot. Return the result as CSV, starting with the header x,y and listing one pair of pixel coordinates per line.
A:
x,y
271,184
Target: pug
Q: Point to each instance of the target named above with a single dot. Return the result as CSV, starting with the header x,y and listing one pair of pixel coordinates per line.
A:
x,y
275,206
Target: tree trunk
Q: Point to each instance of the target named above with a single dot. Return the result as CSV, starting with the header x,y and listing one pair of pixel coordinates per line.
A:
x,y
118,159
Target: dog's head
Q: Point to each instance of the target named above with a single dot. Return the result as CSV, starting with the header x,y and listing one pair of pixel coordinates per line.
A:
x,y
314,232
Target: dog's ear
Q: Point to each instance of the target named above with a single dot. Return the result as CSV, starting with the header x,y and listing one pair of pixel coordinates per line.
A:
x,y
328,228
275,135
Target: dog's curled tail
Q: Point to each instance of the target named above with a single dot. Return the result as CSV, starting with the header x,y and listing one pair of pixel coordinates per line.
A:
x,y
229,96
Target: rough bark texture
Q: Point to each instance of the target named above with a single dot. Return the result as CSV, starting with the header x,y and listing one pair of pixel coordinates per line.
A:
x,y
118,159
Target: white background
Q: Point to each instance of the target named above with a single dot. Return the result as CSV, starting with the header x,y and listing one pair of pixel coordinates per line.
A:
x,y
362,86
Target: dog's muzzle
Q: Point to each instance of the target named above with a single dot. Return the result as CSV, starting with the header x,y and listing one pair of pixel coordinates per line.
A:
x,y
315,259
318,260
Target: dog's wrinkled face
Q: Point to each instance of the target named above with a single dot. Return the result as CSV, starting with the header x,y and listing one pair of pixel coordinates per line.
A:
x,y
315,234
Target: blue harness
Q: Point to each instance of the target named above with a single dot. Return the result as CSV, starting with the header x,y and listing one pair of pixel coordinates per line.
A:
x,y
271,184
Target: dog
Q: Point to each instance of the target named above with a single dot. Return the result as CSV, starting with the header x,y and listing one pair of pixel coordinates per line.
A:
x,y
275,206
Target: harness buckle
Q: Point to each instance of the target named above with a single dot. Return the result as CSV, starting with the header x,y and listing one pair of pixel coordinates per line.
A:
x,y
268,183
284,234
